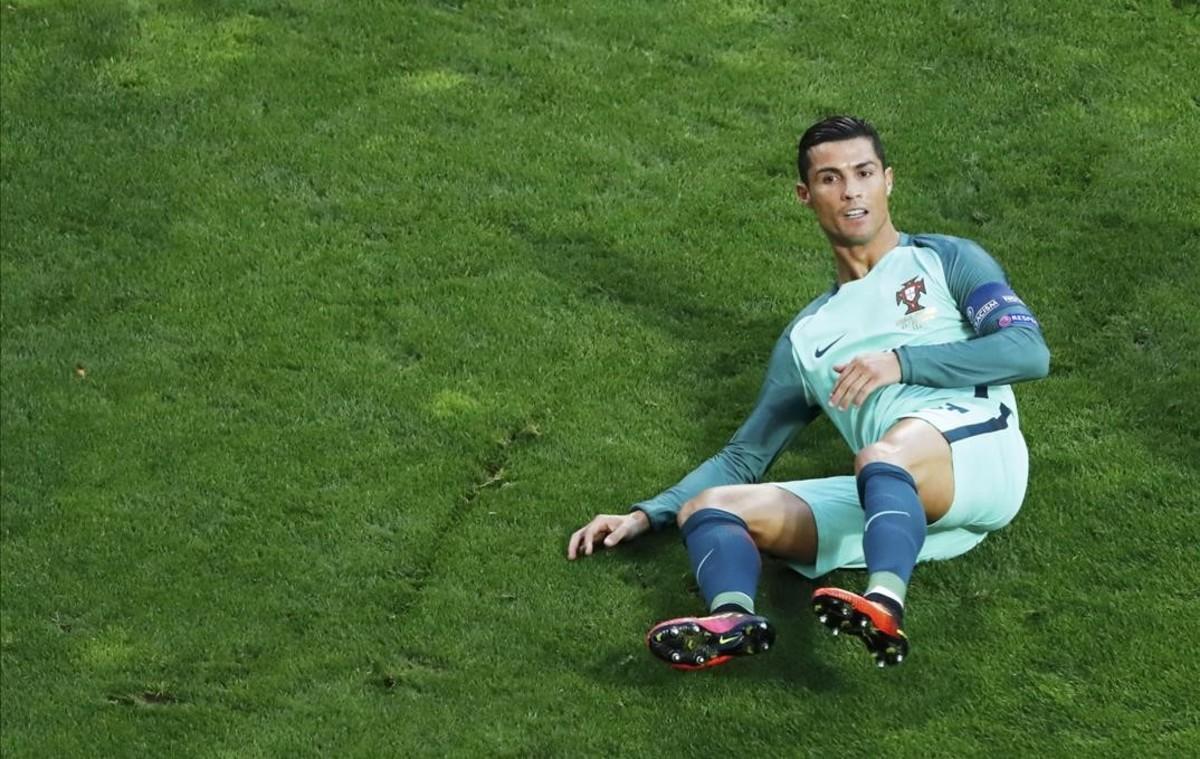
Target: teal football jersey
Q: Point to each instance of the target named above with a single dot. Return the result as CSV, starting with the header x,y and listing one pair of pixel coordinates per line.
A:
x,y
907,299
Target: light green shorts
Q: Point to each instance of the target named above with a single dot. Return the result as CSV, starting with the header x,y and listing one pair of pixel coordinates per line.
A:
x,y
991,469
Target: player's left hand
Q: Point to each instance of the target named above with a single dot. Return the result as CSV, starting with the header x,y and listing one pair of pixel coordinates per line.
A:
x,y
861,376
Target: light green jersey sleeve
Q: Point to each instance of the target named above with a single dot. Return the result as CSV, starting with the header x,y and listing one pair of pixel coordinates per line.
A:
x,y
1009,347
782,410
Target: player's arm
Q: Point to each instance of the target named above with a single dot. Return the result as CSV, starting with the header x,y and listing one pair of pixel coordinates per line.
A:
x,y
1008,346
1006,351
781,410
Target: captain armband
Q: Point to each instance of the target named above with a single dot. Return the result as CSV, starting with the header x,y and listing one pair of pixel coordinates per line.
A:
x,y
996,297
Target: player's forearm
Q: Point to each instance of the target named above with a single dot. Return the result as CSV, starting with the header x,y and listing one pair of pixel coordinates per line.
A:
x,y
1001,358
781,410
733,465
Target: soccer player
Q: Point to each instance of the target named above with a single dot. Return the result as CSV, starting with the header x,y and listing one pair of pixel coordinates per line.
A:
x,y
910,354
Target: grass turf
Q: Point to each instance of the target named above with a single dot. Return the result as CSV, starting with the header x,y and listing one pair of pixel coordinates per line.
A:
x,y
324,324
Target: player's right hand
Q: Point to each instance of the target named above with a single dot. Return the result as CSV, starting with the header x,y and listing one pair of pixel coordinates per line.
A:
x,y
613,528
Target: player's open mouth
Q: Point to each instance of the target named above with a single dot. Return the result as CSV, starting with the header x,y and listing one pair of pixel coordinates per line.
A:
x,y
857,213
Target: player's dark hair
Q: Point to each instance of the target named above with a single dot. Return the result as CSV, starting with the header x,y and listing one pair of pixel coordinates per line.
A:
x,y
835,129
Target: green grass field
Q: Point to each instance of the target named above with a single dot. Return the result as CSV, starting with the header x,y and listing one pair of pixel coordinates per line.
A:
x,y
324,324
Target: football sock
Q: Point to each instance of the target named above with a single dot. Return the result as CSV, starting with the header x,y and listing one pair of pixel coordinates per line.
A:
x,y
724,559
894,607
886,584
894,531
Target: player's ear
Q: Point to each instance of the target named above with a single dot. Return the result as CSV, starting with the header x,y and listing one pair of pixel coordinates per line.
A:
x,y
802,193
889,179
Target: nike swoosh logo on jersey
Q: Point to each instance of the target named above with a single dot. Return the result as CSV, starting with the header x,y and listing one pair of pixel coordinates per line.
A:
x,y
823,351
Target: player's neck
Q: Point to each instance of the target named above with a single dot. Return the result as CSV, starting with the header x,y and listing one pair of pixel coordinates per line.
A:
x,y
855,261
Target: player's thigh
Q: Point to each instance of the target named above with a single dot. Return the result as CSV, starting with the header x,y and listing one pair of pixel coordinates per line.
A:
x,y
840,523
990,463
837,519
780,522
918,447
991,472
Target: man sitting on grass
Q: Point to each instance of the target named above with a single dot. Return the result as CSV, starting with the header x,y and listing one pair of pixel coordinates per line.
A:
x,y
910,354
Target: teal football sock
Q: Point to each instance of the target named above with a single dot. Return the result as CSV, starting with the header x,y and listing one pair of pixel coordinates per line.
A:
x,y
894,531
724,559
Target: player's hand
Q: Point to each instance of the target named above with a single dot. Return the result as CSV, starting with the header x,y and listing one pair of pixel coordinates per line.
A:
x,y
861,376
612,528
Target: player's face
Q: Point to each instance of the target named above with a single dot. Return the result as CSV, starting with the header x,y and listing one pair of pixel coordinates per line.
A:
x,y
847,188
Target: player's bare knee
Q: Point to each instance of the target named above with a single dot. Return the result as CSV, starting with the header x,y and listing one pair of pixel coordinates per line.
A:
x,y
705,499
692,505
881,451
686,511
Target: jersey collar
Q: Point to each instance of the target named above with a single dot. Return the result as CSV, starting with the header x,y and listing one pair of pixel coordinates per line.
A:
x,y
905,241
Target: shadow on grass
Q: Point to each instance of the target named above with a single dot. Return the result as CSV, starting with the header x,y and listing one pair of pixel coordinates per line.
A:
x,y
726,343
664,580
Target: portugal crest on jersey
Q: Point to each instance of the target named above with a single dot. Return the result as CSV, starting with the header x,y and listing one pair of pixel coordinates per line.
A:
x,y
910,294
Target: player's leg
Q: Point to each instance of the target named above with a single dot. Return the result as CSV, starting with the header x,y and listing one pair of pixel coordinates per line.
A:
x,y
904,481
959,477
724,529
